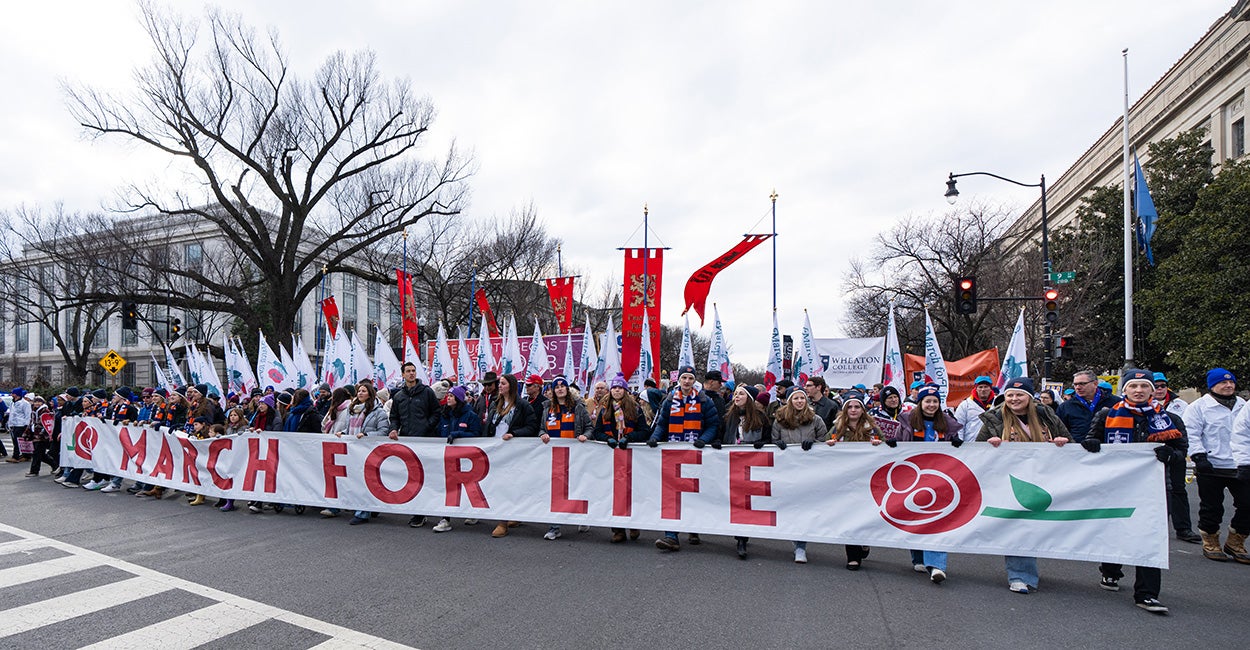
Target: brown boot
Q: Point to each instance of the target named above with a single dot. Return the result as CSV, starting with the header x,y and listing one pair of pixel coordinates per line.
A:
x,y
618,535
501,530
1235,545
1211,547
197,501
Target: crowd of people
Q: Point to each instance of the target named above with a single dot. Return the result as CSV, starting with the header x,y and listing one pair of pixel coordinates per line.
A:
x,y
1213,434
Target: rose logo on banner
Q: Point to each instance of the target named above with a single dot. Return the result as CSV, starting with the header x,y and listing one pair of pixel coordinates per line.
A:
x,y
84,440
926,494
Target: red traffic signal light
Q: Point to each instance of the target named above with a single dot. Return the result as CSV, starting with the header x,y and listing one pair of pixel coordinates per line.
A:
x,y
966,295
1052,294
1052,304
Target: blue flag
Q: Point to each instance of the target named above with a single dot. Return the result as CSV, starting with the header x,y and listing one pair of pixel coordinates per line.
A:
x,y
1144,206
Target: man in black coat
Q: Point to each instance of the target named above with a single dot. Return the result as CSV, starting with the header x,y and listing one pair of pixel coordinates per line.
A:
x,y
1078,412
414,412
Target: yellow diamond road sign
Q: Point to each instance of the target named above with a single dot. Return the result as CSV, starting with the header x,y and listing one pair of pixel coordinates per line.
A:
x,y
112,362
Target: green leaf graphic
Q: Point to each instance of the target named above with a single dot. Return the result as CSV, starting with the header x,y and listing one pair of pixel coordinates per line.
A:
x,y
1030,496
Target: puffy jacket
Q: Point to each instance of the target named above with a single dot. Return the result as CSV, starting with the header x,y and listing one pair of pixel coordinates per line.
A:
x,y
991,423
1077,414
814,431
968,414
582,424
414,411
523,424
1141,430
710,427
463,423
1210,428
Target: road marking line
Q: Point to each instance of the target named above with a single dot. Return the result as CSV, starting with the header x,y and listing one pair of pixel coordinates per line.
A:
x,y
187,631
46,569
340,637
63,608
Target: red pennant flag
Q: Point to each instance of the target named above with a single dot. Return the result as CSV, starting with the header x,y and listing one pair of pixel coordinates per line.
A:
x,y
408,308
636,303
490,316
331,310
560,290
700,283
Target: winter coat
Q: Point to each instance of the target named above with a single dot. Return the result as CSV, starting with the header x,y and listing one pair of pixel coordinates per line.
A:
x,y
733,422
826,409
461,423
1239,439
710,428
1176,405
414,411
605,427
907,434
523,425
968,414
302,418
991,423
1141,429
1210,427
19,414
1077,415
583,425
814,431
36,432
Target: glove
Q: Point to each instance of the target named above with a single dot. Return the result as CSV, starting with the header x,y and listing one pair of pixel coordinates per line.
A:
x,y
891,443
806,445
1163,453
451,439
612,442
699,444
652,442
1201,464
956,442
1243,473
622,444
781,444
758,444
715,444
1092,445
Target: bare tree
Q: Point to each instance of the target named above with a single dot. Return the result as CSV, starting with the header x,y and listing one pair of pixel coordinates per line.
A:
x,y
300,173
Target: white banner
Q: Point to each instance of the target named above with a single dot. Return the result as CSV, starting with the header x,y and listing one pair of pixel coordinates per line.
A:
x,y
1018,499
851,361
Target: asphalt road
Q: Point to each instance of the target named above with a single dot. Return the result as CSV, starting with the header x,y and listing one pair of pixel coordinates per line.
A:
x,y
464,589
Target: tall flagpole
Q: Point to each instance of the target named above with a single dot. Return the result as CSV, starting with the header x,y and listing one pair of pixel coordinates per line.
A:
x,y
473,296
320,337
773,196
1128,233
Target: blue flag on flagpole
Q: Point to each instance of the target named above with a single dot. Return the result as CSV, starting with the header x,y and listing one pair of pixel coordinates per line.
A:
x,y
1144,206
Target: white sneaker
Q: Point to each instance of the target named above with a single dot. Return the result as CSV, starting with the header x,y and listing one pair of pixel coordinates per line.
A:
x,y
470,522
937,576
552,533
111,487
59,479
800,556
93,485
583,528
1018,587
443,525
919,568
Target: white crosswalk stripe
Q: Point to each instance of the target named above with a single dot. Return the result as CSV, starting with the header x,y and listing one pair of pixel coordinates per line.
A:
x,y
229,614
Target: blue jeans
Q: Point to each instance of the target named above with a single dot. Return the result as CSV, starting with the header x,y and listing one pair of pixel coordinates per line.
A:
x,y
362,514
931,559
1022,569
800,545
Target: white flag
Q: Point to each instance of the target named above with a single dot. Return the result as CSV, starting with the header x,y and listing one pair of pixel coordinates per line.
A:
x,y
1016,363
773,370
466,365
161,379
337,357
209,376
485,355
511,361
442,366
234,373
303,364
646,359
175,374
805,364
288,362
892,369
934,364
586,364
193,364
609,363
269,368
718,354
570,370
686,356
245,366
362,367
411,356
387,370
537,362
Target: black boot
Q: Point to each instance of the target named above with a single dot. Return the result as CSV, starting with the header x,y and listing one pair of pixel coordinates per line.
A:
x,y
742,549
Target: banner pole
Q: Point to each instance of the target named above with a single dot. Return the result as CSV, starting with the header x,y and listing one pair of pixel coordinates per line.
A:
x,y
773,196
322,323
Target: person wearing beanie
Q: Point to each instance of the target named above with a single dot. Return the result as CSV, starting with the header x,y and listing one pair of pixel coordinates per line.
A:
x,y
1087,399
891,406
686,415
458,420
854,424
1174,405
796,423
927,422
745,423
1021,419
969,411
913,392
1214,423
564,416
1137,418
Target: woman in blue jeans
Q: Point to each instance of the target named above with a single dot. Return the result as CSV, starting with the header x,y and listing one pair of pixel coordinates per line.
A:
x,y
1020,419
929,423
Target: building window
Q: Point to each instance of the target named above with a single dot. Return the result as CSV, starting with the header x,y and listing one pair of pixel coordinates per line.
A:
x,y
45,374
371,338
21,337
20,375
3,336
130,337
128,375
193,253
101,338
349,303
45,338
1239,138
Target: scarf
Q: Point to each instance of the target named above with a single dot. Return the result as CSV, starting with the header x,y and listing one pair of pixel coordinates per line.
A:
x,y
1088,404
1120,422
618,417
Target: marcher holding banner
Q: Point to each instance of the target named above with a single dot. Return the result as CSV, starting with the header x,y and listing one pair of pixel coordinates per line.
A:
x,y
458,420
928,423
745,423
853,424
797,424
687,415
512,417
564,416
1136,418
620,421
1020,419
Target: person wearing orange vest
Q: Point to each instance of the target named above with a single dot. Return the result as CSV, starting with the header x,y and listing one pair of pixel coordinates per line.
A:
x,y
564,416
687,415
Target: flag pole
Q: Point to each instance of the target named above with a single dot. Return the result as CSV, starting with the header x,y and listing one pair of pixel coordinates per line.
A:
x,y
773,196
324,323
473,296
1128,245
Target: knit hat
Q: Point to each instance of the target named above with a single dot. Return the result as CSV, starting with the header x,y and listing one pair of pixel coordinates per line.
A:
x,y
618,382
268,400
1160,377
916,384
533,379
1137,374
1105,385
1022,384
181,390
983,379
73,391
100,393
853,396
714,374
860,387
928,390
284,398
149,391
785,383
888,391
795,391
684,370
1069,391
324,386
459,393
440,390
201,388
559,381
1217,375
19,392
752,391
125,393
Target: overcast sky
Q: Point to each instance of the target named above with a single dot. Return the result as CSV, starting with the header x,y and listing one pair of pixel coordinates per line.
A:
x,y
854,112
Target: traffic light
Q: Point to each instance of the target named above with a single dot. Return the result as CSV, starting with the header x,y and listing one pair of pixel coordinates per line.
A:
x,y
966,295
1063,347
130,316
175,329
1052,305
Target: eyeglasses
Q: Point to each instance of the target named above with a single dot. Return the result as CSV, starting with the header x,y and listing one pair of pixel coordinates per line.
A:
x,y
1081,383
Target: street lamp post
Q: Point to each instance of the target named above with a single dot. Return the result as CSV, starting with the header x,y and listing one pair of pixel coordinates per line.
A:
x,y
952,194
